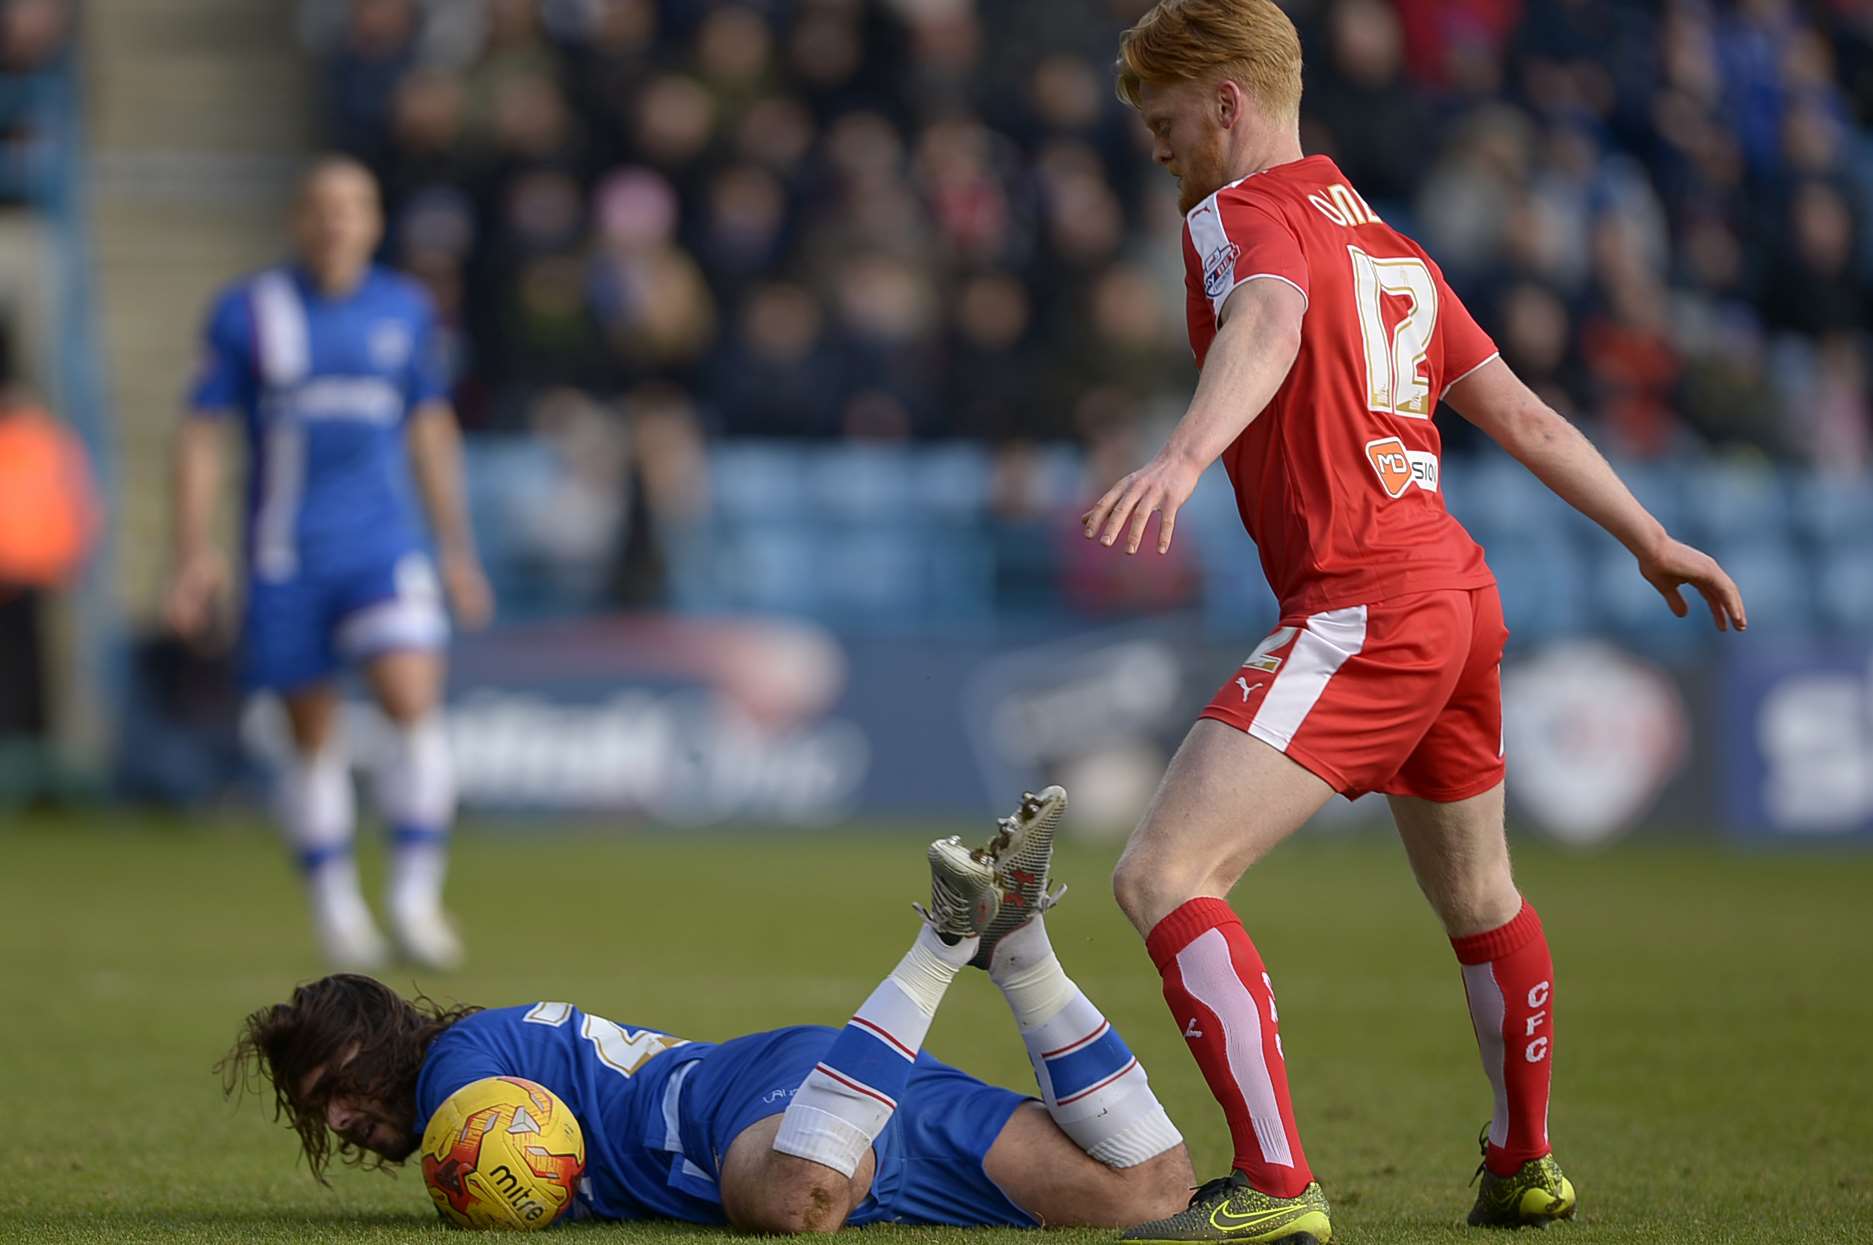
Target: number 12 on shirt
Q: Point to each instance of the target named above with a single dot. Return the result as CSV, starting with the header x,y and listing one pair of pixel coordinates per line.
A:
x,y
622,1050
1396,382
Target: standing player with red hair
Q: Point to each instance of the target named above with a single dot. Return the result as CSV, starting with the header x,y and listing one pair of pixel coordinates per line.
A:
x,y
1325,341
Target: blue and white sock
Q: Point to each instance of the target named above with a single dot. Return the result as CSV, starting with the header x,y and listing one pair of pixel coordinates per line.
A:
x,y
318,813
846,1100
1094,1087
416,795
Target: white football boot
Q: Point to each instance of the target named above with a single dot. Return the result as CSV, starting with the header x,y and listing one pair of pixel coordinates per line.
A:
x,y
342,920
426,937
350,940
1022,855
963,898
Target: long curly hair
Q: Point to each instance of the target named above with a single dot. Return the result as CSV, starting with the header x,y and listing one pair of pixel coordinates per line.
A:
x,y
369,1040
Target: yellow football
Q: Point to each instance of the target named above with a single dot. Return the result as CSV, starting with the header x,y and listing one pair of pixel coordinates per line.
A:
x,y
502,1152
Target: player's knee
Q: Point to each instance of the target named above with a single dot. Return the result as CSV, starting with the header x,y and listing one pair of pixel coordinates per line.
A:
x,y
1147,891
1128,887
406,705
407,686
1479,905
1154,1189
797,1199
1159,1187
818,1205
1473,896
766,1191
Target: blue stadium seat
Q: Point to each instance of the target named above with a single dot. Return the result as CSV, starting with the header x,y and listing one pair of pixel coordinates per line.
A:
x,y
871,574
1492,492
1624,603
1660,488
1458,474
890,535
502,477
1776,582
1732,502
951,480
906,575
1237,603
961,573
859,482
1061,476
757,480
1210,519
1543,584
1831,508
1844,589
771,566
694,554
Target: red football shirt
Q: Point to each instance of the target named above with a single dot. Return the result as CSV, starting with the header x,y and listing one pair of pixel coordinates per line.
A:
x,y
1337,480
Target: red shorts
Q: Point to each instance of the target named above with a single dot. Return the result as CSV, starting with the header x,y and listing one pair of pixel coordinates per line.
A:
x,y
1402,697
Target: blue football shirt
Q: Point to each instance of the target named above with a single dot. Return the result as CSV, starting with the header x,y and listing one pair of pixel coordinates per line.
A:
x,y
324,388
621,1085
660,1115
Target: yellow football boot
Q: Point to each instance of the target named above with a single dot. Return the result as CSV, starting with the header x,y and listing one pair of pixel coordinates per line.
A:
x,y
1536,1194
1230,1209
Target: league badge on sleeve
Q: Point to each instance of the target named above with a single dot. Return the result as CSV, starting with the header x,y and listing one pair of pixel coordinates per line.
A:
x,y
1219,269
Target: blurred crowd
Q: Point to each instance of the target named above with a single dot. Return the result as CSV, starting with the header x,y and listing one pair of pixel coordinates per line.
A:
x,y
35,42
34,34
930,218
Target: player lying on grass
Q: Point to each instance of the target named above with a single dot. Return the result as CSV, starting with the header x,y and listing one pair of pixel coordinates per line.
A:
x,y
802,1129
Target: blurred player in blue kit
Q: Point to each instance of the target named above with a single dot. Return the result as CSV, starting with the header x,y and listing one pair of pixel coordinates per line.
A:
x,y
331,369
800,1129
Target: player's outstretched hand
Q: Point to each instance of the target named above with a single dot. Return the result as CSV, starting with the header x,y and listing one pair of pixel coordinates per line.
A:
x,y
469,595
195,592
1164,484
1675,565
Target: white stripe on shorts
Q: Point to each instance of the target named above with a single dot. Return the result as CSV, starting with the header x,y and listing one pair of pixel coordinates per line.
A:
x,y
1322,648
401,623
413,619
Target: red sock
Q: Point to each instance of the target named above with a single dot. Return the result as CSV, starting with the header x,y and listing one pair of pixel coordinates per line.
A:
x,y
1509,979
1221,997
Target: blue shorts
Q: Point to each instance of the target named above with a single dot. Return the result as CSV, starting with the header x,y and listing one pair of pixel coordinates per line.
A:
x,y
301,630
929,1156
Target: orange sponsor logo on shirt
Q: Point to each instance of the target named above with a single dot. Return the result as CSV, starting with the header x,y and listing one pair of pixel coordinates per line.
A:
x,y
1389,459
1399,468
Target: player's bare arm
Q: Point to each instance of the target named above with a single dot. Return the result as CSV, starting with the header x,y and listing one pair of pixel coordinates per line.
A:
x,y
199,570
1494,398
1254,350
436,460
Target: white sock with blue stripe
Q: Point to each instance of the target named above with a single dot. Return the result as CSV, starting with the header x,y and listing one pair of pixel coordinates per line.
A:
x,y
1093,1085
318,812
416,795
846,1100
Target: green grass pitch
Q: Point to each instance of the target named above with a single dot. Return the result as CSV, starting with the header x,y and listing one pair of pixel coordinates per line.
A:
x,y
1713,1081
